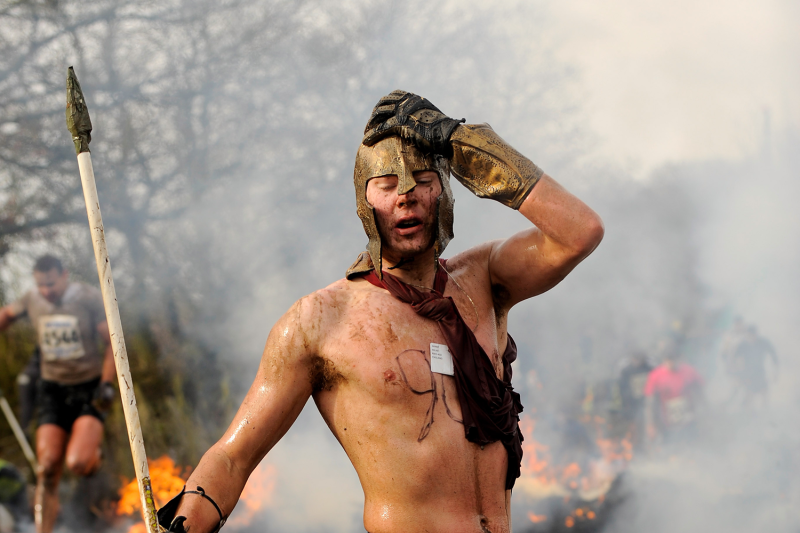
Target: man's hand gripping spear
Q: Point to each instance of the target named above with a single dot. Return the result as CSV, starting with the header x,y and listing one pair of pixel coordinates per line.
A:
x,y
80,126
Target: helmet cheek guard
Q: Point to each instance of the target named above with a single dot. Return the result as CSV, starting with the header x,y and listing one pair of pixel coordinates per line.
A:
x,y
394,156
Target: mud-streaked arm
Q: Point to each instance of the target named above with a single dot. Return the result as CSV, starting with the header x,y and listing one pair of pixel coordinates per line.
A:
x,y
280,390
566,229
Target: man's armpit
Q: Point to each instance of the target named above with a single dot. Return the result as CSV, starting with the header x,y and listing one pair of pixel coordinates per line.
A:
x,y
322,374
501,296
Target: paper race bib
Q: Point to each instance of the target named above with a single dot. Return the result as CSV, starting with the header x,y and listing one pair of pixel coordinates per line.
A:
x,y
60,338
441,359
679,411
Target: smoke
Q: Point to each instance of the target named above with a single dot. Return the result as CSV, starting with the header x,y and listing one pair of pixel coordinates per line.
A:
x,y
697,200
741,473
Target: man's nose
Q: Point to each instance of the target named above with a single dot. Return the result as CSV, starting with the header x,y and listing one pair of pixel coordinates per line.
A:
x,y
407,199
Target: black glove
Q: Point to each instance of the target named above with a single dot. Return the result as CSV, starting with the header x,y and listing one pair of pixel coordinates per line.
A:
x,y
413,118
104,396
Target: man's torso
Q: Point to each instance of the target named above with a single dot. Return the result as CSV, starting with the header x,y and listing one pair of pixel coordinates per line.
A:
x,y
67,333
399,422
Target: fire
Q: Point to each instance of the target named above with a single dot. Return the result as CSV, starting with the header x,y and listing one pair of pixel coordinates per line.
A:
x,y
585,481
257,494
532,449
166,479
616,451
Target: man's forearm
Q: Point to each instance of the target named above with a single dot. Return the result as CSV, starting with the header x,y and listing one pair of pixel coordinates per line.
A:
x,y
222,480
489,167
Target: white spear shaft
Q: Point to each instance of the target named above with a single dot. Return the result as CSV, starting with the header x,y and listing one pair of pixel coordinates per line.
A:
x,y
81,137
18,433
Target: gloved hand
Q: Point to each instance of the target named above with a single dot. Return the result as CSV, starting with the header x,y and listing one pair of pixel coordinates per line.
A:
x,y
413,118
104,396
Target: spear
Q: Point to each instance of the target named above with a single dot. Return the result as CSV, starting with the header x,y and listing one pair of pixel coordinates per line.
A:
x,y
80,126
18,432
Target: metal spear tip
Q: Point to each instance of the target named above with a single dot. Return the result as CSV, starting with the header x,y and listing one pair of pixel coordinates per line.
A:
x,y
78,122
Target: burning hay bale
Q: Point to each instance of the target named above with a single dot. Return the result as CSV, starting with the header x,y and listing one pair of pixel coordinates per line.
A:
x,y
572,512
571,496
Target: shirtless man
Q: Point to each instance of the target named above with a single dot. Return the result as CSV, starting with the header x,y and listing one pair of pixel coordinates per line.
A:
x,y
76,387
434,439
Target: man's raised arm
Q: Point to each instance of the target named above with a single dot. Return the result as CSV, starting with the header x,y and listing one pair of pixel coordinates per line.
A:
x,y
535,260
528,263
567,230
280,390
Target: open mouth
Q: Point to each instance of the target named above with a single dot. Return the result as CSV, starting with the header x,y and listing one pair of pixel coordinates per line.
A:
x,y
408,223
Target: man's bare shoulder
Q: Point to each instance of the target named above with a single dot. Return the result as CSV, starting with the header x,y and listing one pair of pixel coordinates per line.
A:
x,y
327,305
473,262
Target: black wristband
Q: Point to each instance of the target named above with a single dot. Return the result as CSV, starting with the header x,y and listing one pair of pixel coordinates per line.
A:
x,y
174,524
202,493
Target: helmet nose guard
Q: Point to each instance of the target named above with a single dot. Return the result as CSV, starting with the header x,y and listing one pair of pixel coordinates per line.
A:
x,y
405,178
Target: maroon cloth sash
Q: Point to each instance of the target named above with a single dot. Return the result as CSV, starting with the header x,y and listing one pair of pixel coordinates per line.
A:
x,y
489,406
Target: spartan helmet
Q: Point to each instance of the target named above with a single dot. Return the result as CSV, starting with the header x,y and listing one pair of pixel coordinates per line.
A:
x,y
393,155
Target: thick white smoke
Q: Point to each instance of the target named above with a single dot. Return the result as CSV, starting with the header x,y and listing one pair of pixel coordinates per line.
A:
x,y
656,114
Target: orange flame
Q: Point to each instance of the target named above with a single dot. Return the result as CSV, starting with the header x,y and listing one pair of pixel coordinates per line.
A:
x,y
166,479
535,455
256,495
585,481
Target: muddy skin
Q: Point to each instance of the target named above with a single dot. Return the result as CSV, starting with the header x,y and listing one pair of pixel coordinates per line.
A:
x,y
323,374
433,391
400,264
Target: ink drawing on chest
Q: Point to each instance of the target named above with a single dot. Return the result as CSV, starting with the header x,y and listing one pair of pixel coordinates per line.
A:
x,y
407,357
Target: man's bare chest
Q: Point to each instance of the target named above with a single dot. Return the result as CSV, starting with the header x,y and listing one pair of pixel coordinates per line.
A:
x,y
382,346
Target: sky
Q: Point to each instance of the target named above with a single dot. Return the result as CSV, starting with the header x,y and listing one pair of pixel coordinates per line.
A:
x,y
676,81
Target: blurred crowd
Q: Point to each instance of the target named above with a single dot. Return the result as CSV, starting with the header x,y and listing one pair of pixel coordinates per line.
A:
x,y
663,402
599,414
659,399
